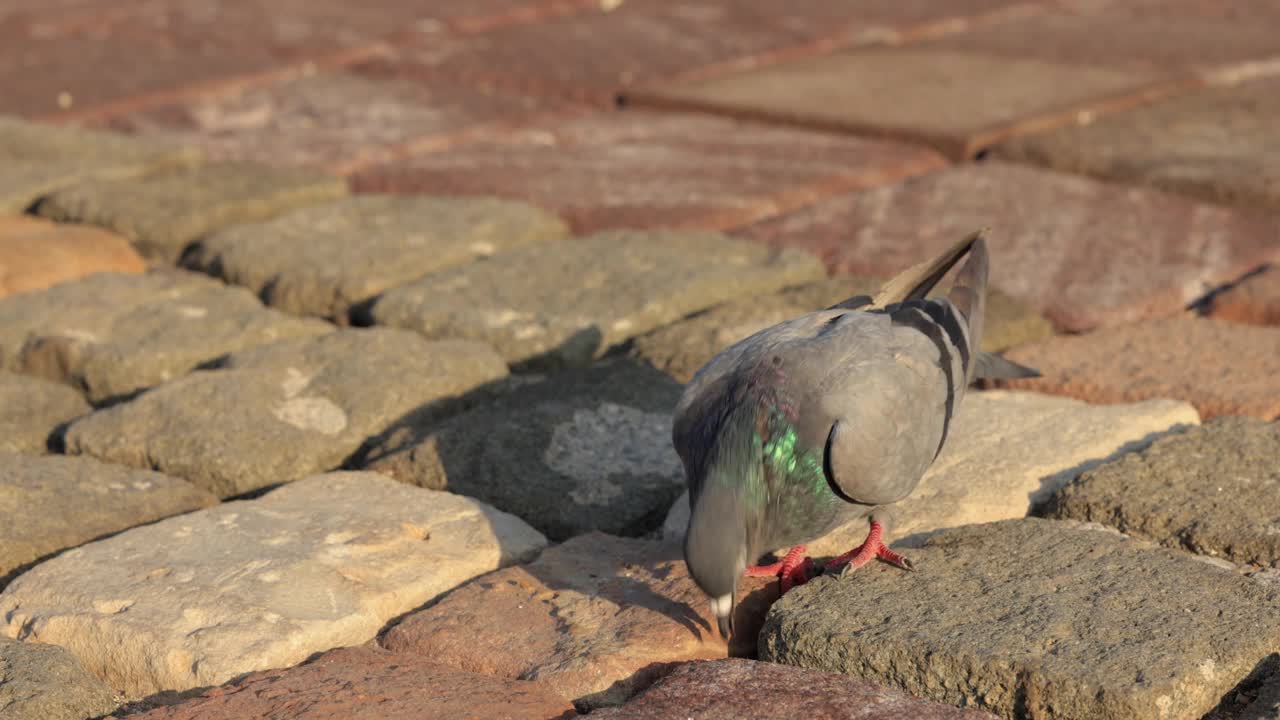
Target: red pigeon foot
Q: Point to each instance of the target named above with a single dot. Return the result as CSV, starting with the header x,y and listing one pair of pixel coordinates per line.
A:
x,y
870,548
791,571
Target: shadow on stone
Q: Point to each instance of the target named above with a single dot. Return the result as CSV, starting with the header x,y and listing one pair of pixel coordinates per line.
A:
x,y
578,450
1042,500
1248,700
1204,304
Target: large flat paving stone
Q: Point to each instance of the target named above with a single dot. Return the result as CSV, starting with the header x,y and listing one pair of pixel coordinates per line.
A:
x,y
322,260
53,503
1193,38
33,410
1006,452
683,347
112,335
367,683
251,585
45,682
340,120
68,69
1221,368
1083,252
1221,145
1036,618
586,449
285,410
609,170
568,306
964,91
591,55
253,38
593,618
36,159
1210,490
711,689
35,253
164,213
958,101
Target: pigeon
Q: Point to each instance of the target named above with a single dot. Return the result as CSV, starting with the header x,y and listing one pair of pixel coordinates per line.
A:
x,y
827,418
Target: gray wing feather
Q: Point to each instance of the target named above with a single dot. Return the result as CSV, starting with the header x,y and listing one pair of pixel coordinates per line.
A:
x,y
877,380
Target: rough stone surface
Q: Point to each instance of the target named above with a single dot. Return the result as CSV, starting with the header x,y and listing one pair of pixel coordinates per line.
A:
x,y
35,254
1220,145
919,93
44,682
366,683
340,120
36,160
1211,491
162,214
681,348
595,618
568,306
323,259
713,689
1029,618
1255,300
1221,368
32,410
199,599
1083,252
53,503
1005,453
640,169
586,449
113,334
319,398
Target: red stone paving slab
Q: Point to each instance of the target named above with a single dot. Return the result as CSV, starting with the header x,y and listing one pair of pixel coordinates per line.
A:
x,y
50,15
596,618
365,683
48,74
1191,36
1254,300
1083,252
655,170
1221,368
70,64
592,55
294,28
1220,145
342,119
958,101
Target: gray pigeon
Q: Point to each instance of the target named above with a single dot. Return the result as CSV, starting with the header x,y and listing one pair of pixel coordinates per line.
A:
x,y
825,418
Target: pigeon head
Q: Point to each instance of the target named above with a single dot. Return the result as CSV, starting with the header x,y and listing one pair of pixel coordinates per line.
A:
x,y
715,549
717,544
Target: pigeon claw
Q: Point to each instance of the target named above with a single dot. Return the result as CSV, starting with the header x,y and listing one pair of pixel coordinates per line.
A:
x,y
792,570
872,548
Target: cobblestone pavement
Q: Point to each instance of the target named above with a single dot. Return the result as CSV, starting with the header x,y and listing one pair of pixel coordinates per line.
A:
x,y
339,343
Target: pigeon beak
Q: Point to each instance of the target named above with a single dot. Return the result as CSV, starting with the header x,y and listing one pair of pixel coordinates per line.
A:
x,y
722,608
726,626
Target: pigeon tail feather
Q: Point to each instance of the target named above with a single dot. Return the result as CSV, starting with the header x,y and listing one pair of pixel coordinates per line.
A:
x,y
915,282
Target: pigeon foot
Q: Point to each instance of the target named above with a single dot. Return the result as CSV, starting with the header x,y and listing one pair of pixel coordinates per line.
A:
x,y
791,571
871,548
